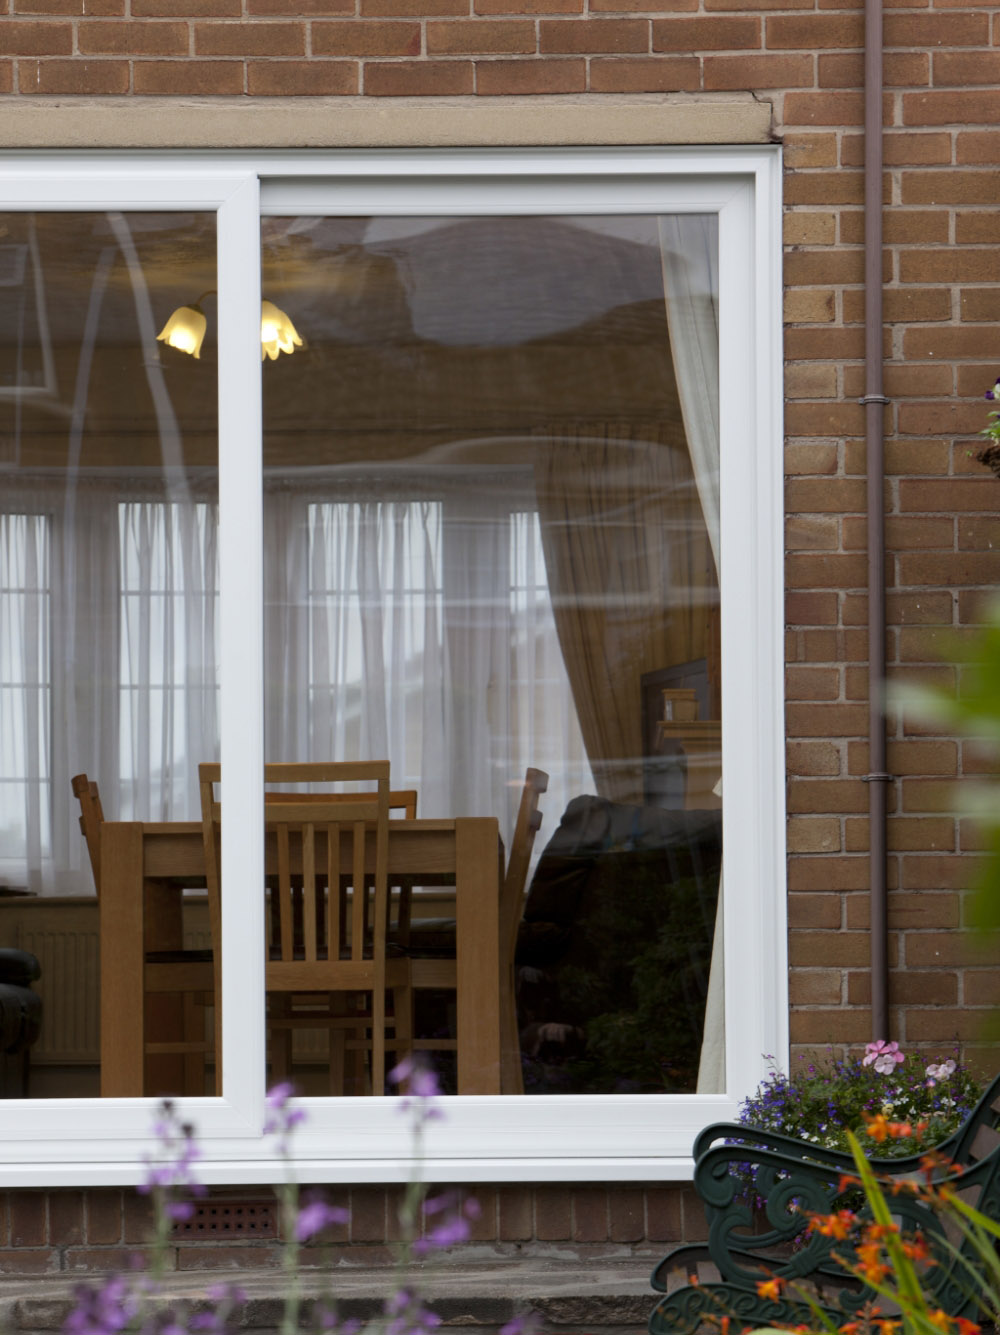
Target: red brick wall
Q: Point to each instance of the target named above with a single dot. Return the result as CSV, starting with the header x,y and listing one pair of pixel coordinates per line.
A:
x,y
941,343
47,1232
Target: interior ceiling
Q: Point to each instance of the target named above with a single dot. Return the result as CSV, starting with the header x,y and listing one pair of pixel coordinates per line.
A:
x,y
413,327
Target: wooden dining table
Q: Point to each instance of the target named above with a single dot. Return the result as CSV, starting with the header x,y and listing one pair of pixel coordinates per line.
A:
x,y
145,868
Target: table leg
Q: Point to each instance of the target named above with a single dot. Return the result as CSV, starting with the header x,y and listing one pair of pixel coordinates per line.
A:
x,y
477,923
121,937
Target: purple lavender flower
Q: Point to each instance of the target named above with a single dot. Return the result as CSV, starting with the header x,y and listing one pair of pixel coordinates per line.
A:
x,y
315,1216
104,1310
423,1087
282,1116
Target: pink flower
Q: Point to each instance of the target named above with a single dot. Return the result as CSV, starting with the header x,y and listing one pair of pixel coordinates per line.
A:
x,y
940,1072
885,1057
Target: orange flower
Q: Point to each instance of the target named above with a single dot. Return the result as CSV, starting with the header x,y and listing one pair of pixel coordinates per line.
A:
x,y
900,1130
769,1288
916,1249
966,1327
940,1318
871,1267
877,1127
837,1225
887,1327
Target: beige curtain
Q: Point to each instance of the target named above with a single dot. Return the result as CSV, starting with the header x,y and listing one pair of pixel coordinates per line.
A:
x,y
631,575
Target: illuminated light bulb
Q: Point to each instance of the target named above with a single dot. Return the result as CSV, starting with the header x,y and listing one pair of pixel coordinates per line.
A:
x,y
277,333
185,330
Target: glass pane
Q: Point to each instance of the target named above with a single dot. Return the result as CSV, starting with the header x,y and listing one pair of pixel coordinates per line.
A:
x,y
109,653
491,548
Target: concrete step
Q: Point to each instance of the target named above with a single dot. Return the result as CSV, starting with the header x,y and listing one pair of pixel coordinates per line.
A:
x,y
610,1297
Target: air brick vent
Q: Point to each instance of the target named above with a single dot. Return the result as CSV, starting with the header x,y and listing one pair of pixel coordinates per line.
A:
x,y
229,1219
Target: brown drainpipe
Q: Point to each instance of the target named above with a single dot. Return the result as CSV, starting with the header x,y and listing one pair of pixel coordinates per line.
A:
x,y
874,401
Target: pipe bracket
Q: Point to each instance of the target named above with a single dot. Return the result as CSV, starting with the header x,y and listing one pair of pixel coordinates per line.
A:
x,y
879,777
873,398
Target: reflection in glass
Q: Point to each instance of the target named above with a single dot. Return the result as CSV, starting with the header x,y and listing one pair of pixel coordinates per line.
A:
x,y
109,650
491,543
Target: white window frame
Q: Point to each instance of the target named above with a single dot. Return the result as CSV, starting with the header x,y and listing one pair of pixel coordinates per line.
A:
x,y
482,1138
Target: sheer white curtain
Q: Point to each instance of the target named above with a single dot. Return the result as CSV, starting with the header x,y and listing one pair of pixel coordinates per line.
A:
x,y
109,648
689,253
419,629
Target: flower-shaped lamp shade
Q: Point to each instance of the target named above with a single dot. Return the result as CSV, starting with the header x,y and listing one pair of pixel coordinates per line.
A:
x,y
185,330
277,333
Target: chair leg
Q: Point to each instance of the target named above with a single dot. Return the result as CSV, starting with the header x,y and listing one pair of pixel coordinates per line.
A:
x,y
280,1038
402,1022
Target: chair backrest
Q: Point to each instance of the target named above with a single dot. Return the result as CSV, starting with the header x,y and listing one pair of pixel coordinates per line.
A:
x,y
91,820
529,818
304,826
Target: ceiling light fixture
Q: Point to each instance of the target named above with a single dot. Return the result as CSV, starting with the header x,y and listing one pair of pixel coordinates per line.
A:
x,y
185,330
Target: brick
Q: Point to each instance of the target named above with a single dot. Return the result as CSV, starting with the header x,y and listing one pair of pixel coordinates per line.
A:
x,y
811,32
497,78
903,382
663,1214
950,187
811,533
841,949
480,37
901,69
949,494
29,1261
755,72
649,75
810,608
824,344
980,988
28,1218
821,912
529,6
828,1026
908,987
626,1214
553,1214
65,1218
972,378
185,9
836,874
825,496
825,419
822,571
202,1257
908,911
193,77
809,381
24,38
823,720
902,533
942,1025
412,8
966,67
949,949
815,987
980,535
810,150
590,1214
812,834
413,78
367,37
930,795
137,1218
929,30
809,229
823,108
516,1214
302,78
905,226
629,6
812,758
132,39
909,757
900,149
249,39
906,834
97,77
978,146
827,796
810,306
979,758
943,107
104,1215
69,7
298,8
952,342
556,37
812,683
810,458
980,304
817,267
708,34
368,1214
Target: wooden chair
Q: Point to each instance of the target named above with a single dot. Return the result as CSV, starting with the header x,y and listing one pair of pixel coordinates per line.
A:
x,y
329,928
437,970
187,973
